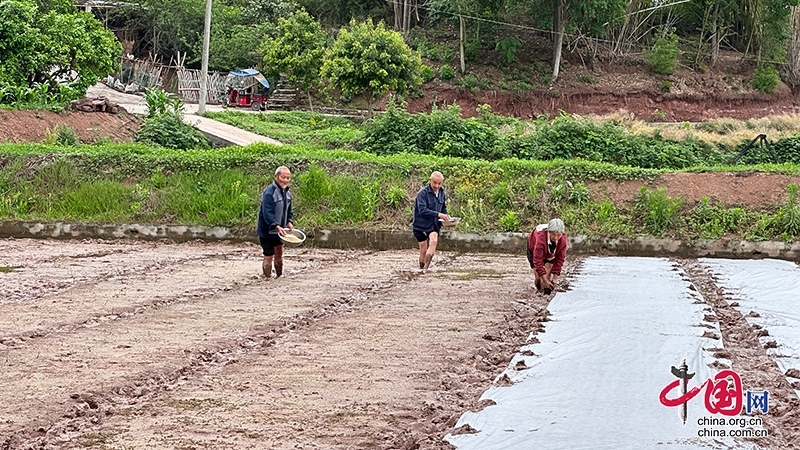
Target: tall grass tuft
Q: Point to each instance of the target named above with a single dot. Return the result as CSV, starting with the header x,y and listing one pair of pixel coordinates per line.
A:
x,y
660,211
790,214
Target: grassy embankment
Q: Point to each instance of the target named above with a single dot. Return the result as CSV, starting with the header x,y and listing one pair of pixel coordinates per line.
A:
x,y
356,188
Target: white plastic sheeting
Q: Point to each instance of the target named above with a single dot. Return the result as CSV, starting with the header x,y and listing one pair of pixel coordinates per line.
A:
x,y
596,374
771,289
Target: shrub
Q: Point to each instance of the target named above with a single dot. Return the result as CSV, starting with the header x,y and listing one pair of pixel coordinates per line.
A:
x,y
442,132
666,86
664,57
510,222
766,78
786,149
62,135
168,130
446,72
660,211
508,49
711,221
470,82
790,214
396,197
567,137
502,196
427,73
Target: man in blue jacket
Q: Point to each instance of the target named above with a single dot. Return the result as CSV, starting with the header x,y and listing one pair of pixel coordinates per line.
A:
x,y
274,218
428,209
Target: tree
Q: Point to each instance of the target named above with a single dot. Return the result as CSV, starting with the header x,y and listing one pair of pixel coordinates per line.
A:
x,y
60,52
335,13
234,47
77,49
261,11
164,28
590,17
17,41
794,48
369,59
297,50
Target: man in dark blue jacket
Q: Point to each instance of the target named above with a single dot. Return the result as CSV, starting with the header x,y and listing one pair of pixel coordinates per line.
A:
x,y
428,209
274,218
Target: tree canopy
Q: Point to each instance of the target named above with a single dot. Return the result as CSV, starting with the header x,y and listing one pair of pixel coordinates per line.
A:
x,y
59,52
369,59
296,50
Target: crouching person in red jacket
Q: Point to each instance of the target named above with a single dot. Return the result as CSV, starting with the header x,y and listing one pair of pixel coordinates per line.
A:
x,y
547,250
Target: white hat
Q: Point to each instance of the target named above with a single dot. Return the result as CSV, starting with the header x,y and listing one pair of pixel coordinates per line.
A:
x,y
556,225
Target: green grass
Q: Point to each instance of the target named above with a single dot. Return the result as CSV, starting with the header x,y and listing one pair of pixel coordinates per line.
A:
x,y
342,188
295,128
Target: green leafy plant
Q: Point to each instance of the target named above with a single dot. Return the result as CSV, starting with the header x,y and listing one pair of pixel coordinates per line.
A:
x,y
62,135
789,214
660,211
510,221
766,78
446,72
395,197
470,82
370,196
427,73
508,49
158,101
605,211
501,195
579,194
712,221
588,79
313,184
665,86
168,130
663,58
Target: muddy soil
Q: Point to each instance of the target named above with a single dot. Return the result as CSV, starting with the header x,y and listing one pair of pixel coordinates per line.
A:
x,y
150,345
132,345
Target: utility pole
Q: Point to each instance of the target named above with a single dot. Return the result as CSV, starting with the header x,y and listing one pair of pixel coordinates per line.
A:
x,y
201,109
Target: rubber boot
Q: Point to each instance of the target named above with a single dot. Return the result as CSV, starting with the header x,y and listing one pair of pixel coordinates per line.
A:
x,y
266,267
278,268
428,259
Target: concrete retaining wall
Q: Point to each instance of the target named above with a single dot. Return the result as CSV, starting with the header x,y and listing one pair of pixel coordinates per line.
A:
x,y
385,240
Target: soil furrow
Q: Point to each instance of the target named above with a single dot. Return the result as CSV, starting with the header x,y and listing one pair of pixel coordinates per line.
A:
x,y
121,297
86,375
42,268
394,368
751,361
